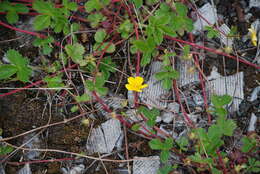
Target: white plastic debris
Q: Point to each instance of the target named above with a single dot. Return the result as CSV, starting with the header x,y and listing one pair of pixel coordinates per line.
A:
x,y
104,138
253,119
25,170
32,141
114,103
254,3
225,30
186,77
230,85
79,169
147,166
168,117
252,123
209,13
25,39
198,99
2,170
154,95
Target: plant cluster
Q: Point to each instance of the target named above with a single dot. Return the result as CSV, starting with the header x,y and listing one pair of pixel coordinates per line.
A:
x,y
114,23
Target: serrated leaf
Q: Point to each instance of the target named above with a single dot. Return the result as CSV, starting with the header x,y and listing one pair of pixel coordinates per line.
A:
x,y
83,98
90,85
7,71
101,90
156,144
21,8
41,22
164,155
248,144
75,51
168,144
16,58
12,17
138,3
167,83
181,9
219,101
135,127
229,127
100,35
23,74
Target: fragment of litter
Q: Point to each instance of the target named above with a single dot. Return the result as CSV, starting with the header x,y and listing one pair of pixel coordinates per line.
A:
x,y
2,170
79,169
254,3
154,95
253,119
147,166
232,85
25,170
104,138
186,77
210,15
32,141
114,103
225,30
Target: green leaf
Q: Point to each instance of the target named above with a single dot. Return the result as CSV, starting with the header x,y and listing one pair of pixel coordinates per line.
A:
x,y
136,127
100,35
69,5
168,144
183,143
102,90
21,64
219,101
20,8
95,4
23,74
138,3
166,169
229,127
156,144
41,22
43,7
161,75
83,98
7,71
167,83
4,150
74,108
95,19
75,51
100,81
90,85
12,17
211,32
164,155
215,171
181,9
248,144
54,82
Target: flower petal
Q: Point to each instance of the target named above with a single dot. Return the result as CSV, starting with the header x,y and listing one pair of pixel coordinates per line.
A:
x,y
139,80
129,87
144,86
131,80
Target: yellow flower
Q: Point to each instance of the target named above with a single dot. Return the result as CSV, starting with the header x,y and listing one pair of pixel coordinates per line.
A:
x,y
253,36
135,84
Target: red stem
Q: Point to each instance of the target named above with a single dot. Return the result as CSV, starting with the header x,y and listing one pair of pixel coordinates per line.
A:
x,y
23,31
224,169
202,83
213,51
187,118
